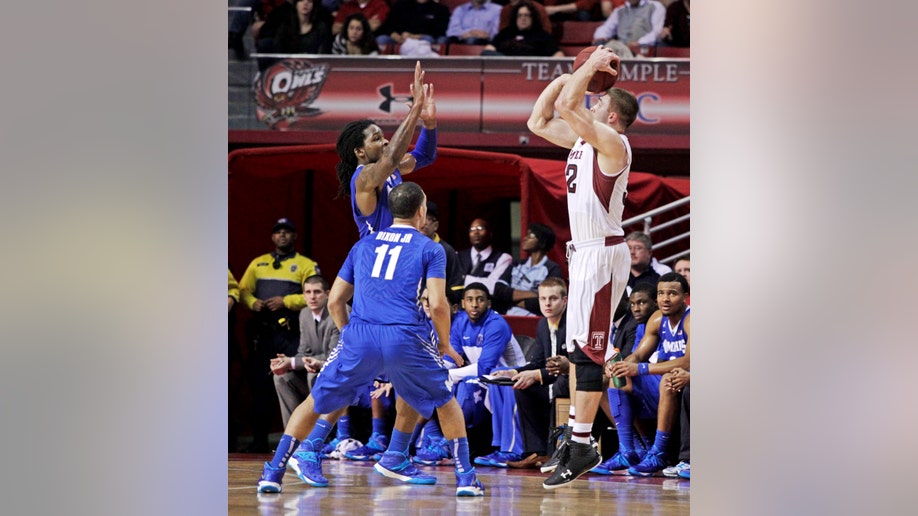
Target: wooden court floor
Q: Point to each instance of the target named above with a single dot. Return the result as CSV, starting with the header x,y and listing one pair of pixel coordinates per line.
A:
x,y
357,489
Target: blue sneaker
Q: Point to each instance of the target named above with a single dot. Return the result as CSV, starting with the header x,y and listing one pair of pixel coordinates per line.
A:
x,y
396,465
329,448
618,462
467,484
308,466
375,445
434,452
686,472
485,460
270,481
498,459
650,464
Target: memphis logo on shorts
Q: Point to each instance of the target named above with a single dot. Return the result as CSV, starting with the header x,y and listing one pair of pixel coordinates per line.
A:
x,y
285,90
597,339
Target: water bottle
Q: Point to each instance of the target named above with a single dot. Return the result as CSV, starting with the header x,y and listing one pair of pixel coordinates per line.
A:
x,y
617,357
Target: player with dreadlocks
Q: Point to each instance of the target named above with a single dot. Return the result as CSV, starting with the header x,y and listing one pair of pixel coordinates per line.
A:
x,y
371,165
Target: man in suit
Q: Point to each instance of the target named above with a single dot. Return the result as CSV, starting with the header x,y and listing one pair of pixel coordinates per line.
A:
x,y
294,376
481,263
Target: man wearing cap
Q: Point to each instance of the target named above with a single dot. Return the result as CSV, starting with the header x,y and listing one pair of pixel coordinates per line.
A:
x,y
272,288
454,277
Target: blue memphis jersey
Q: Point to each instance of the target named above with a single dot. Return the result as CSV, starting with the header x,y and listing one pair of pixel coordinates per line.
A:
x,y
488,342
672,339
381,218
389,270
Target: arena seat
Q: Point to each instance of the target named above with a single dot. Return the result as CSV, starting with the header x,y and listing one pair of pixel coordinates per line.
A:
x,y
522,324
672,51
577,32
460,49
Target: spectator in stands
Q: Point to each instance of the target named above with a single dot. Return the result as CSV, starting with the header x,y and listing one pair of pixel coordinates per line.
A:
x,y
536,387
425,20
577,10
684,267
644,267
357,39
481,263
294,375
665,346
637,23
485,341
506,15
520,296
454,276
375,11
678,381
524,36
239,21
272,288
300,28
474,22
676,31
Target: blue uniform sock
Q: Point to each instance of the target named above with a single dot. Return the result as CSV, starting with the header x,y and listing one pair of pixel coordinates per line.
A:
x,y
461,454
379,425
285,449
399,442
432,430
620,407
344,428
317,437
661,441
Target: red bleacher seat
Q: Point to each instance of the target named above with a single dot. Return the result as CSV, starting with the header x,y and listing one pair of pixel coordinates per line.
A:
x,y
459,49
672,51
577,32
522,325
570,50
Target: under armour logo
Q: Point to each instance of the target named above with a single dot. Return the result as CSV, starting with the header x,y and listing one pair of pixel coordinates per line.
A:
x,y
566,473
386,93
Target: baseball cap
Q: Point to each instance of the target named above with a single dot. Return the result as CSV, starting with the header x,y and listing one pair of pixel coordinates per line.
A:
x,y
432,210
281,223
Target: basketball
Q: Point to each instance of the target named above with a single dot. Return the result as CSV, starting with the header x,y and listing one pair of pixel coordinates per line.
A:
x,y
601,81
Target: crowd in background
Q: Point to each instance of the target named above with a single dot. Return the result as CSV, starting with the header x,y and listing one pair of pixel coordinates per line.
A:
x,y
425,28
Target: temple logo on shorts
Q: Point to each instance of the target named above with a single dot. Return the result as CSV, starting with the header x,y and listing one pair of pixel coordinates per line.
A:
x,y
597,338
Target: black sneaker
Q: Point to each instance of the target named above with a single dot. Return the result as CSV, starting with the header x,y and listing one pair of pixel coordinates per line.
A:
x,y
556,455
582,458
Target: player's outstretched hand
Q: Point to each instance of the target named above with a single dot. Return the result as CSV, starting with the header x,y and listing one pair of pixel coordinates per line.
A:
x,y
429,113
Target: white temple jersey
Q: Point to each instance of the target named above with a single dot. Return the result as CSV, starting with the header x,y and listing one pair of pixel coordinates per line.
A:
x,y
595,200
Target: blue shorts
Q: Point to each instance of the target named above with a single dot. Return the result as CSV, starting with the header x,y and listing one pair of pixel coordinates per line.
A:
x,y
404,353
646,391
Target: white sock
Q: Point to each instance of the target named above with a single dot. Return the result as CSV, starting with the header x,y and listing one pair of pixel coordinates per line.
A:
x,y
581,433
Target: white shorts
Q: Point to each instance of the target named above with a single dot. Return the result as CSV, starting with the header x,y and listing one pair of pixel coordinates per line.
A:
x,y
598,277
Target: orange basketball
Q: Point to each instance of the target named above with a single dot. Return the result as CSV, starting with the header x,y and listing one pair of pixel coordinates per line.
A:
x,y
601,81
